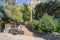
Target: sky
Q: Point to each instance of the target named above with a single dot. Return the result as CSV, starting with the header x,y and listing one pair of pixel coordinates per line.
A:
x,y
21,1
18,1
24,1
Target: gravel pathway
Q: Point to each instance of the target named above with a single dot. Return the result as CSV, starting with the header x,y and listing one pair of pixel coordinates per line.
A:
x,y
6,36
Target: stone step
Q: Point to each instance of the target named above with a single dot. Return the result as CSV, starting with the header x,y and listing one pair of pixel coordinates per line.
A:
x,y
28,33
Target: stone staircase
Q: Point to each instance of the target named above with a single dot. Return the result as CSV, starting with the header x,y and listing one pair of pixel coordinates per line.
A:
x,y
29,33
26,31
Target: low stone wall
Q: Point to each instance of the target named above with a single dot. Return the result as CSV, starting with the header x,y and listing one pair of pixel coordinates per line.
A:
x,y
46,37
52,37
29,32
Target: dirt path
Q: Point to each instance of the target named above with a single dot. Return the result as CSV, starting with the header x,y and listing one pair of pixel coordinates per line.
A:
x,y
6,36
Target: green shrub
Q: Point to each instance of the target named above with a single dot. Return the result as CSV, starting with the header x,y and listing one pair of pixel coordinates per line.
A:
x,y
1,23
33,24
47,24
58,21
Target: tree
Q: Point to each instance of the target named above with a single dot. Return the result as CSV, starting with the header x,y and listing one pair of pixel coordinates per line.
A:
x,y
17,15
13,11
51,7
26,12
3,16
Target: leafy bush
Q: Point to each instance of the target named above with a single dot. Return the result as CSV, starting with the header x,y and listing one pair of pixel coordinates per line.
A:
x,y
33,24
45,25
1,23
58,21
